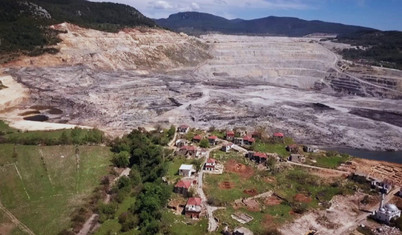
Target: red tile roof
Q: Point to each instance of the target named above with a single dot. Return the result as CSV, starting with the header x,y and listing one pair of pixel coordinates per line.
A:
x,y
230,133
183,127
248,138
211,160
194,201
213,137
260,155
278,134
183,184
197,137
188,148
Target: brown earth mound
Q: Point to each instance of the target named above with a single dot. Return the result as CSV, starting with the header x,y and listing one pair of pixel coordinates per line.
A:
x,y
238,168
268,222
252,205
302,198
226,185
272,201
251,192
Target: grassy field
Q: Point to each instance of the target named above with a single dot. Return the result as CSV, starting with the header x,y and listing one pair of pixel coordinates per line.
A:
x,y
180,225
271,148
332,161
7,226
42,185
174,165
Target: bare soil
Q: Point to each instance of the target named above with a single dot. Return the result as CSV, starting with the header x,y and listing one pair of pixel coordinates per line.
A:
x,y
226,185
251,192
272,201
6,228
238,168
302,198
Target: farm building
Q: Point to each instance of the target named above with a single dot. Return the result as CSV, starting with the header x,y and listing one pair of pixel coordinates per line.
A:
x,y
193,208
248,140
298,158
183,186
183,129
186,170
212,140
229,135
309,149
386,212
227,147
197,138
210,164
293,148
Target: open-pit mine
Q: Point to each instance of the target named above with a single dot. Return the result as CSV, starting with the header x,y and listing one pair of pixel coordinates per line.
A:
x,y
147,77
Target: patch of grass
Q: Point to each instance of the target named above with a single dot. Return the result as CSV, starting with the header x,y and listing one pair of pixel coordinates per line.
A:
x,y
270,148
331,161
173,168
180,225
49,185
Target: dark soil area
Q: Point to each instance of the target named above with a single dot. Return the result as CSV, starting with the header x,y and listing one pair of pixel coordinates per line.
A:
x,y
393,118
37,118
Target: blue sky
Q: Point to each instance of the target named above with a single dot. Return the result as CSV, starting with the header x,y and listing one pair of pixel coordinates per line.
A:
x,y
379,14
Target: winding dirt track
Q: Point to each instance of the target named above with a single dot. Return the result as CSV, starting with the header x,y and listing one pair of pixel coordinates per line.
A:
x,y
15,221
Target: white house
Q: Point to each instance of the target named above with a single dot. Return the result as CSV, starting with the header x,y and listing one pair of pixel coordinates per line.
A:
x,y
387,213
227,147
186,170
210,164
183,129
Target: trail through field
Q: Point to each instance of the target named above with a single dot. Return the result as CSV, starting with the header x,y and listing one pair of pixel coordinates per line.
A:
x,y
77,162
45,167
15,221
23,185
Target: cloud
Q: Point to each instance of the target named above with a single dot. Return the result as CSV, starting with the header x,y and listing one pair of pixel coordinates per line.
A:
x,y
195,6
162,5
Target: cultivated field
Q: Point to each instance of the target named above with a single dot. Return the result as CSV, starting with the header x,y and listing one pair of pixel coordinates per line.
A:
x,y
41,186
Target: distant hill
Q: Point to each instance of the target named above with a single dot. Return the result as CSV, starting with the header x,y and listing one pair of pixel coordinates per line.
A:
x,y
23,23
199,23
380,48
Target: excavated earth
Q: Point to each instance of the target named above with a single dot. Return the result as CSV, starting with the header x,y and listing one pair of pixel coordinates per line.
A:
x,y
145,77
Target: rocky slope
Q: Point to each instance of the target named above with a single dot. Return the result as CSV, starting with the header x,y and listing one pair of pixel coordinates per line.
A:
x,y
131,49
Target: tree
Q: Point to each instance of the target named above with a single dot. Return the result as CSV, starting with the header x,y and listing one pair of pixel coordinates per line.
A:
x,y
171,131
64,138
121,159
204,143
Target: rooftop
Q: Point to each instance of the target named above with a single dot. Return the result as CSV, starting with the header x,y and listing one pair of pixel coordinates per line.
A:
x,y
186,167
184,184
194,201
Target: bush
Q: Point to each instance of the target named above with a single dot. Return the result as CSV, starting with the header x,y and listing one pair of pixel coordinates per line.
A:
x,y
121,159
204,143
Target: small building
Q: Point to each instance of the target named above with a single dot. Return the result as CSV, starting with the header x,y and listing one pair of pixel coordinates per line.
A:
x,y
229,135
202,153
238,141
260,158
242,231
241,132
279,136
293,148
186,170
227,147
212,139
183,186
180,143
248,140
197,138
386,213
298,158
382,186
193,207
183,129
210,164
309,149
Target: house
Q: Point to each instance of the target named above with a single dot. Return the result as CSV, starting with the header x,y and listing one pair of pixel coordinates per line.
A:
x,y
309,149
180,143
183,129
386,213
241,132
227,147
242,231
260,157
256,135
229,135
193,207
202,153
183,186
382,186
212,139
293,148
278,136
189,150
238,141
197,138
248,140
298,158
186,170
210,164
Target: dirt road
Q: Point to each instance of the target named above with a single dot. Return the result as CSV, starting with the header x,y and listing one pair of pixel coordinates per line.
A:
x,y
341,173
15,221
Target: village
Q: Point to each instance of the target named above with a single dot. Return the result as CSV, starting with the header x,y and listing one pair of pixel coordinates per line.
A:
x,y
221,176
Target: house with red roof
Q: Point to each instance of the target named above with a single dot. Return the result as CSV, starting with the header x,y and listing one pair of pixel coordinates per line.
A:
x,y
248,140
183,129
293,148
227,147
278,136
212,139
183,187
210,164
229,135
189,150
258,157
197,138
193,207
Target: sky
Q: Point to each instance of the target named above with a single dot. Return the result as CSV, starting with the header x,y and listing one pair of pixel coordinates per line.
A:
x,y
379,14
